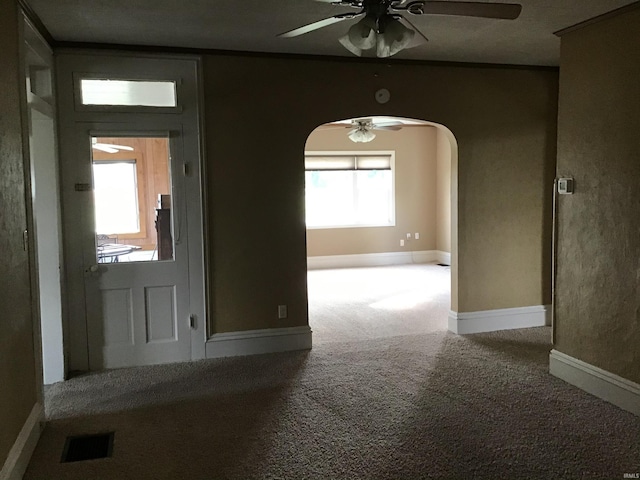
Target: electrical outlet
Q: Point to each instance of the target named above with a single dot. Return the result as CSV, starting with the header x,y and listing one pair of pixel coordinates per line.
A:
x,y
408,236
417,236
402,242
282,312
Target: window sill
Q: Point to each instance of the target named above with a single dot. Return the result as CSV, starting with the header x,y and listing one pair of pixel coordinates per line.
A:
x,y
333,227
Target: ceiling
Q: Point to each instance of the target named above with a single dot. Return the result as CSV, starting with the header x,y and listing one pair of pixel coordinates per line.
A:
x,y
252,26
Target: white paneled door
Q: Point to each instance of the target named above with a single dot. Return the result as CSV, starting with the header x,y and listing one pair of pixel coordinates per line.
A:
x,y
136,271
133,225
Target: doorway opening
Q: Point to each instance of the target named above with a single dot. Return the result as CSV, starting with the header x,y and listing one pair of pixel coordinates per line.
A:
x,y
46,228
380,236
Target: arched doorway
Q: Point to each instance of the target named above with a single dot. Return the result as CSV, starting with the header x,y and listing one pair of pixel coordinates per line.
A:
x,y
380,199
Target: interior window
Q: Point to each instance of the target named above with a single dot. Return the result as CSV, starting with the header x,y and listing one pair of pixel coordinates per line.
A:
x,y
349,191
139,93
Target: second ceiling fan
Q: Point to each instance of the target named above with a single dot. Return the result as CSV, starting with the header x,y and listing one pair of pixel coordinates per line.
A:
x,y
383,24
361,129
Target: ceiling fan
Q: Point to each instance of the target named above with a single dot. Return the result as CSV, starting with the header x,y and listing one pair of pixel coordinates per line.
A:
x,y
362,128
108,147
383,23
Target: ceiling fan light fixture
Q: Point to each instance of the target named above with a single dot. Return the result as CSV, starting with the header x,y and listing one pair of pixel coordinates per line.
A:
x,y
363,33
396,37
361,135
361,36
389,39
346,43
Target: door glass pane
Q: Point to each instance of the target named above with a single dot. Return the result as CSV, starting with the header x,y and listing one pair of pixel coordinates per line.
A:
x,y
131,185
115,187
136,93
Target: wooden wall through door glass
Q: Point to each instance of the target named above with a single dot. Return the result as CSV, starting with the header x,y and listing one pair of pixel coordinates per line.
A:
x,y
152,169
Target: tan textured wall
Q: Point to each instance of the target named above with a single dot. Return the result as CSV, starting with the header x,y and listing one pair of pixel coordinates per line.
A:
x,y
503,119
443,192
598,269
18,392
415,187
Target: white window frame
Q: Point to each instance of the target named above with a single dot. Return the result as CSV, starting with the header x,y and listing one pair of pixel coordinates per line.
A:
x,y
355,153
81,107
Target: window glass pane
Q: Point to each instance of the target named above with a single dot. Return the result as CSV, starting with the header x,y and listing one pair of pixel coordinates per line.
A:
x,y
374,191
128,93
133,208
115,190
330,198
349,198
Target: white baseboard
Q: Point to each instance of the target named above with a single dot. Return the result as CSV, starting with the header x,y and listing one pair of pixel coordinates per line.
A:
x,y
377,259
443,257
596,381
464,323
20,454
252,342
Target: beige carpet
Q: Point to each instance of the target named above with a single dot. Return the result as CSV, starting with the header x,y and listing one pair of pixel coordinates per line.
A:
x,y
355,304
428,404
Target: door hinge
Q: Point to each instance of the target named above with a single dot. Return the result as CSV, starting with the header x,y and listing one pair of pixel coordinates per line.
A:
x,y
186,170
25,240
192,321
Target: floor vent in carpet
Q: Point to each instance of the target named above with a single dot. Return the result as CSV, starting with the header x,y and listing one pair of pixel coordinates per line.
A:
x,y
87,447
443,265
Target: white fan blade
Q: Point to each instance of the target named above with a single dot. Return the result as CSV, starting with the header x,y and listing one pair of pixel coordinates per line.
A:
x,y
111,148
104,148
381,127
506,11
319,24
390,123
122,147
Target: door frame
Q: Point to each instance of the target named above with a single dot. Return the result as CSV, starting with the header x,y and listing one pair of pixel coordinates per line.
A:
x,y
185,71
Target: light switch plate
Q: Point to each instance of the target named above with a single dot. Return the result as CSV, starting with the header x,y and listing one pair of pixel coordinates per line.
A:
x,y
565,186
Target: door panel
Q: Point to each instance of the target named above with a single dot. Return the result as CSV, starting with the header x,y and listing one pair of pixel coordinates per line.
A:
x,y
117,312
161,314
